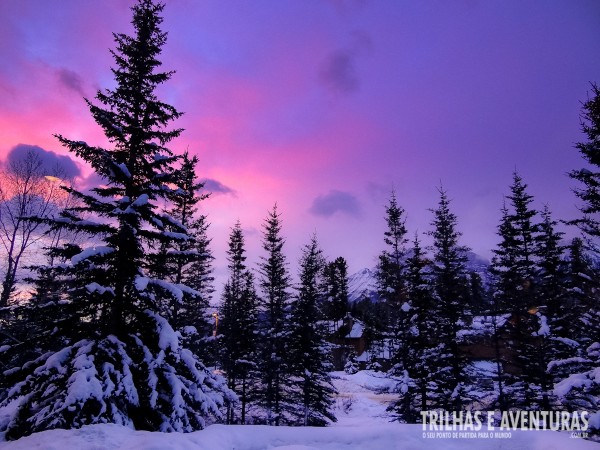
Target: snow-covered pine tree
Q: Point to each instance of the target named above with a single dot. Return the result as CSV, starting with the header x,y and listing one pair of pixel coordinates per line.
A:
x,y
391,324
42,316
504,268
514,264
515,272
505,278
188,261
391,265
308,348
581,389
239,326
552,291
121,362
551,284
415,377
590,222
275,283
581,327
582,291
589,176
450,284
544,329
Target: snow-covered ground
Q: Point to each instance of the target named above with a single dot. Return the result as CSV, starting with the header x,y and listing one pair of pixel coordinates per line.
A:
x,y
363,424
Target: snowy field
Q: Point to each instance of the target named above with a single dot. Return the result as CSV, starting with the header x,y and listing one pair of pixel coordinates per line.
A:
x,y
363,424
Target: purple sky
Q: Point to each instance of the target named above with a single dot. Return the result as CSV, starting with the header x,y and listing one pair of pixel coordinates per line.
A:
x,y
324,106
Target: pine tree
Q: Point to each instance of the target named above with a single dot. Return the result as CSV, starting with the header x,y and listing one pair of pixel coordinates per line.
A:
x,y
579,323
590,177
189,261
552,336
514,264
391,321
515,271
552,289
504,268
239,326
478,294
121,360
582,291
275,284
577,385
336,286
416,373
581,390
449,278
308,348
391,265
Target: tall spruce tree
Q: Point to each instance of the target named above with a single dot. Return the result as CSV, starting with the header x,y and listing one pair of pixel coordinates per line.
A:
x,y
514,263
275,283
121,361
391,261
577,385
582,291
391,321
552,289
193,263
517,286
416,372
555,332
589,176
581,389
239,326
449,278
308,348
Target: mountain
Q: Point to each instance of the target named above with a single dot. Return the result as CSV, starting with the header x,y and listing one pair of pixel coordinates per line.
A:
x,y
363,284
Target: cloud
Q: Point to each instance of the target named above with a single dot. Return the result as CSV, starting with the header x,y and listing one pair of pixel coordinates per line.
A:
x,y
52,163
71,80
216,187
335,201
339,72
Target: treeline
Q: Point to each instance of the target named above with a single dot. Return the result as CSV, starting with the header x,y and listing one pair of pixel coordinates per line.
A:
x,y
118,328
537,316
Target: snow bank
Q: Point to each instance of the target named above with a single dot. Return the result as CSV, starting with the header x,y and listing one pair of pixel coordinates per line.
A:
x,y
363,423
255,437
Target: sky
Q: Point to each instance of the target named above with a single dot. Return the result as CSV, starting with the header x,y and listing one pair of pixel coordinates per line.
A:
x,y
325,106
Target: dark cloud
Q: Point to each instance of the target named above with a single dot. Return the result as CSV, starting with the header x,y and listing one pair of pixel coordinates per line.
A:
x,y
216,187
71,80
339,71
52,163
335,201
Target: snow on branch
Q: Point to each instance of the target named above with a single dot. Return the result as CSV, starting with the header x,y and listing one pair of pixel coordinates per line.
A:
x,y
91,252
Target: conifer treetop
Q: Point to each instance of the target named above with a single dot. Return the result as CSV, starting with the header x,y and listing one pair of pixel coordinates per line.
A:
x,y
589,176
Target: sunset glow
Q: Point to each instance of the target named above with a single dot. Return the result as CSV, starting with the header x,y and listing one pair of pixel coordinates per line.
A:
x,y
324,107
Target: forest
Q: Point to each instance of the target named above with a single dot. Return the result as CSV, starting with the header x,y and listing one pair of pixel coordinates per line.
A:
x,y
115,320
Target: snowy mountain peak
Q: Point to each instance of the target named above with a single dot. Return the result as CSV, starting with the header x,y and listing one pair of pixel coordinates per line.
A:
x,y
362,285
